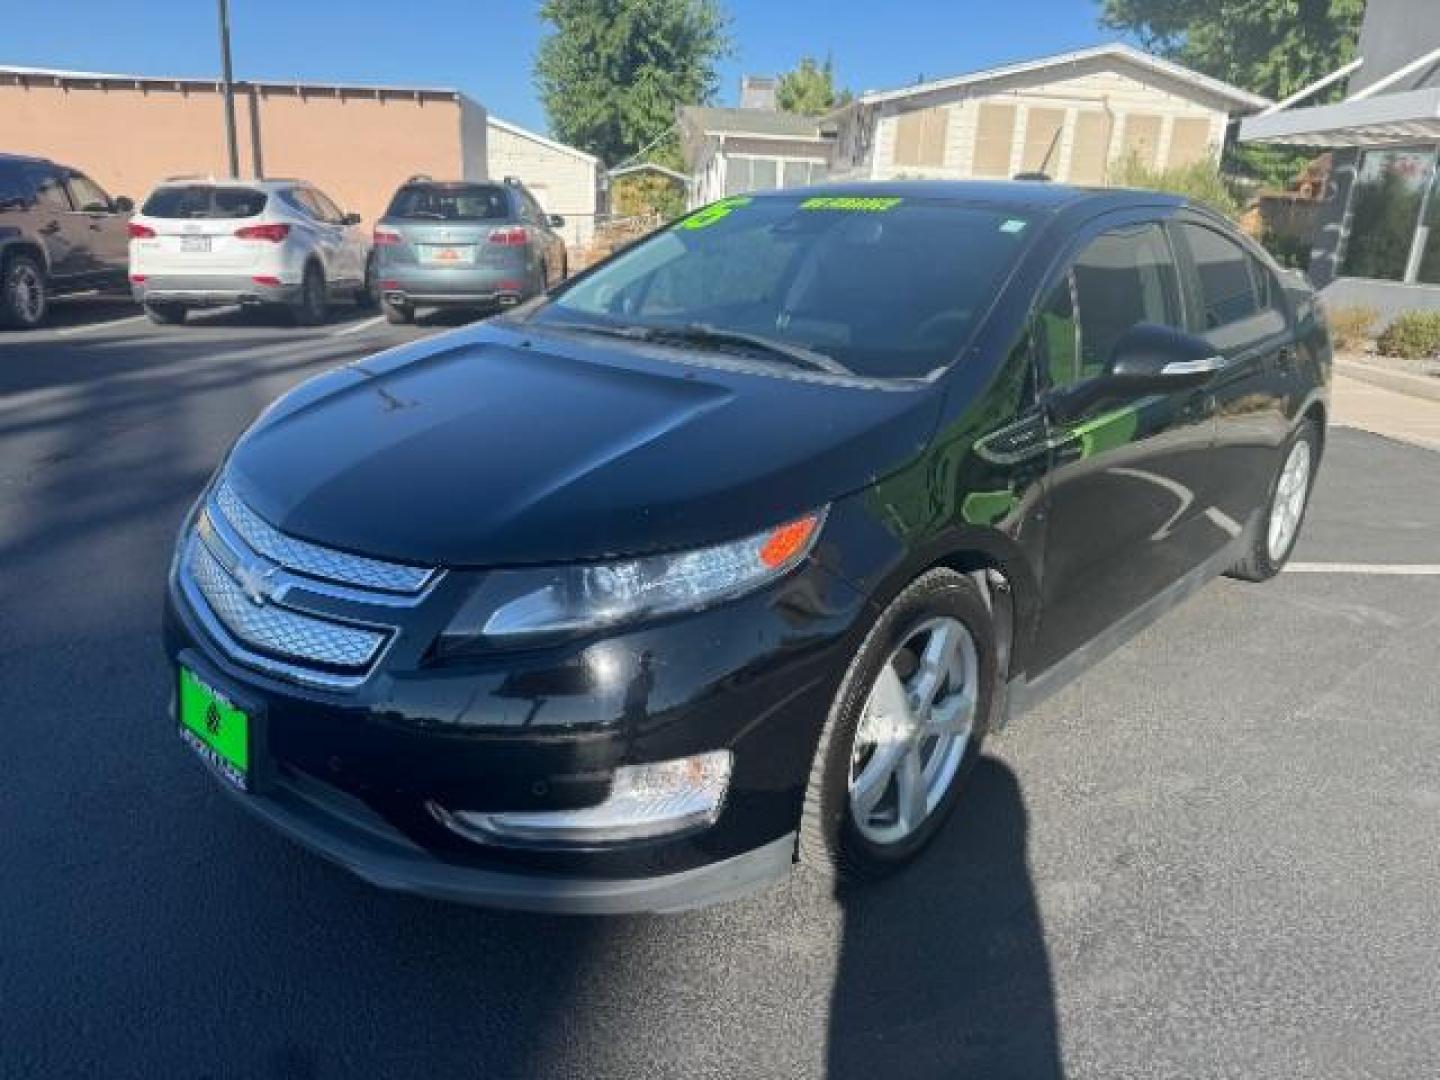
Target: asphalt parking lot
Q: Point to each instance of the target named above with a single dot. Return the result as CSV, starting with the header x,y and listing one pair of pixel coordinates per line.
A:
x,y
1217,855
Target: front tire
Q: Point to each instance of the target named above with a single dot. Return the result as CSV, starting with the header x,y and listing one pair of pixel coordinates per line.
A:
x,y
1289,499
166,314
24,296
904,732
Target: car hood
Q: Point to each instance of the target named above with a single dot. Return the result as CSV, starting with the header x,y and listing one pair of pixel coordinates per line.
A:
x,y
494,446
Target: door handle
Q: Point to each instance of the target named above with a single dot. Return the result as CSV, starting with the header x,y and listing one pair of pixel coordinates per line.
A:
x,y
51,228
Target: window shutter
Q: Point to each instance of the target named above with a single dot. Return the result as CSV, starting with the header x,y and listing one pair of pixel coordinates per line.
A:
x,y
994,136
1090,149
1142,138
1042,141
1189,141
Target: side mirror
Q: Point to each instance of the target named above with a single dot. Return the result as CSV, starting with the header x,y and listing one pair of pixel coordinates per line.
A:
x,y
123,204
1149,358
556,221
351,219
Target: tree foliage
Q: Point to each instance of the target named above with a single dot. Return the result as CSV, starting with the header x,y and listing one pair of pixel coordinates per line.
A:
x,y
1200,181
642,194
612,72
810,89
1270,47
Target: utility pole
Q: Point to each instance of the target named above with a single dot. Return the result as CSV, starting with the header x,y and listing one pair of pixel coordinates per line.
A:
x,y
228,88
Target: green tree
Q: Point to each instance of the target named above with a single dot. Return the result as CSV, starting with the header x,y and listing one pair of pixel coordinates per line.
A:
x,y
1271,47
612,72
810,89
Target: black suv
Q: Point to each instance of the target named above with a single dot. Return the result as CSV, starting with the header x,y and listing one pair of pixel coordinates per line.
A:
x,y
59,233
728,552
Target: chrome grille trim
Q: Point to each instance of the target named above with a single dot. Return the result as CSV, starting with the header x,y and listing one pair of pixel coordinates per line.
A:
x,y
313,560
278,630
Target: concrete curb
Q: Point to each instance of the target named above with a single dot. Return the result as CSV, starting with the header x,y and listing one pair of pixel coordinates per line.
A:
x,y
1419,386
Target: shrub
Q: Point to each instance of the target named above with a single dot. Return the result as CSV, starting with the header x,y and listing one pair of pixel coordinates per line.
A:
x,y
1351,327
1200,181
1412,335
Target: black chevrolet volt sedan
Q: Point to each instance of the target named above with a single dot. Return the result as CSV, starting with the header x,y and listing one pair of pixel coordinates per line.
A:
x,y
726,554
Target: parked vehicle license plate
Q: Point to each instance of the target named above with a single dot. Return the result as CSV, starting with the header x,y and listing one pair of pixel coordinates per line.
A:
x,y
215,728
447,254
195,243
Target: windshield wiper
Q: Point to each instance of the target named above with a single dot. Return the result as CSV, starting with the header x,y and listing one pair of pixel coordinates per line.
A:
x,y
705,334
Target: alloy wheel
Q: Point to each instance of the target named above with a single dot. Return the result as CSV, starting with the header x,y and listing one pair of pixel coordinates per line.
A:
x,y
27,293
1289,502
914,730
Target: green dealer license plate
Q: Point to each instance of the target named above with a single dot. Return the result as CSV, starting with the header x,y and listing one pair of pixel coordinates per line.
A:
x,y
215,729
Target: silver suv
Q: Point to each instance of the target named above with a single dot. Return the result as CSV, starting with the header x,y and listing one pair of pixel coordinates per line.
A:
x,y
464,244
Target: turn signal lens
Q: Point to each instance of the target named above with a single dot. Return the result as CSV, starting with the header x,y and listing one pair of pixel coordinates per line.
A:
x,y
788,540
384,238
516,237
140,232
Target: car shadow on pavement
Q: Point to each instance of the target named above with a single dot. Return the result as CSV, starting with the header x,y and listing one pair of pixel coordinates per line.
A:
x,y
943,970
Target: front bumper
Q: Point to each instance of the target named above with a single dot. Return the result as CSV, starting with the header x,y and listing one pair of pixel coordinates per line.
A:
x,y
211,290
350,773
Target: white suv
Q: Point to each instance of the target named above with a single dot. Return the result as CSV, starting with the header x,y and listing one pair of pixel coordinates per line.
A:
x,y
202,242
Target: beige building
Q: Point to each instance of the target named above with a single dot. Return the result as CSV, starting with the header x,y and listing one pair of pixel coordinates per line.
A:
x,y
356,143
1071,117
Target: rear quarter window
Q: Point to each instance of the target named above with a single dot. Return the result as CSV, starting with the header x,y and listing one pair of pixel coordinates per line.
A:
x,y
14,191
204,201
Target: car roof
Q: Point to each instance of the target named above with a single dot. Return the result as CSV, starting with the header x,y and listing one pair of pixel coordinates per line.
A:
x,y
230,181
1019,195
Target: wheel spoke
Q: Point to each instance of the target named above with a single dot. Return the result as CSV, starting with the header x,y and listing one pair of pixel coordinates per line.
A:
x,y
954,715
910,789
869,787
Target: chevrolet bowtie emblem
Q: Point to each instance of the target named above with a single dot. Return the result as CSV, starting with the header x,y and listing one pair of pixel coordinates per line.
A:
x,y
255,581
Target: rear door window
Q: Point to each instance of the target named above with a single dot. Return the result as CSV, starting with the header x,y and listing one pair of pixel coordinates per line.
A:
x,y
1224,277
325,210
204,201
50,191
1125,277
449,202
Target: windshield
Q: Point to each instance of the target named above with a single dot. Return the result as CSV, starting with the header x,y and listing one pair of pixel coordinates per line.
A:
x,y
204,201
451,202
885,287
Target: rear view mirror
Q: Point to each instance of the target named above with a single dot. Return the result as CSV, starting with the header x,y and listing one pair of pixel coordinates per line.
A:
x,y
124,204
556,221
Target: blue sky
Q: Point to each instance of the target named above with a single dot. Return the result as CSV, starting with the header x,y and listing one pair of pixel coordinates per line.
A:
x,y
486,47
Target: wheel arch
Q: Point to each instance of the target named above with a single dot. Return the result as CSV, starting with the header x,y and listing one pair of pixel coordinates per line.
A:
x,y
21,246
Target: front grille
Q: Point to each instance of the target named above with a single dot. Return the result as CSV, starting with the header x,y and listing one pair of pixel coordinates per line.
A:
x,y
251,585
275,630
312,560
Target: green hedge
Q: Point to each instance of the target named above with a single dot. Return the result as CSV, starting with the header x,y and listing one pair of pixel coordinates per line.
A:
x,y
1412,335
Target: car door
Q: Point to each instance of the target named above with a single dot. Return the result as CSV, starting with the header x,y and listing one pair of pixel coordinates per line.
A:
x,y
1127,489
66,236
1239,306
354,245
109,242
545,239
329,234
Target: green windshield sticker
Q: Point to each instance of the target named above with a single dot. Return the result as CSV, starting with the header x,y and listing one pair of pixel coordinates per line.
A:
x,y
864,204
1012,225
709,215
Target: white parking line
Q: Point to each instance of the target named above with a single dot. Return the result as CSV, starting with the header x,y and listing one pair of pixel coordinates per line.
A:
x,y
355,328
1382,569
89,328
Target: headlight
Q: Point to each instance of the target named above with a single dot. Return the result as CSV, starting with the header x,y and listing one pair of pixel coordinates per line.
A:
x,y
515,606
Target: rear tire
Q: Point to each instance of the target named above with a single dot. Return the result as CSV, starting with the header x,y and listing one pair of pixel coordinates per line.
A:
x,y
397,314
166,314
24,296
313,305
367,297
1289,499
839,841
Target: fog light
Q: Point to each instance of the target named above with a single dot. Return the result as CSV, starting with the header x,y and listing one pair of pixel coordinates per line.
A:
x,y
645,801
